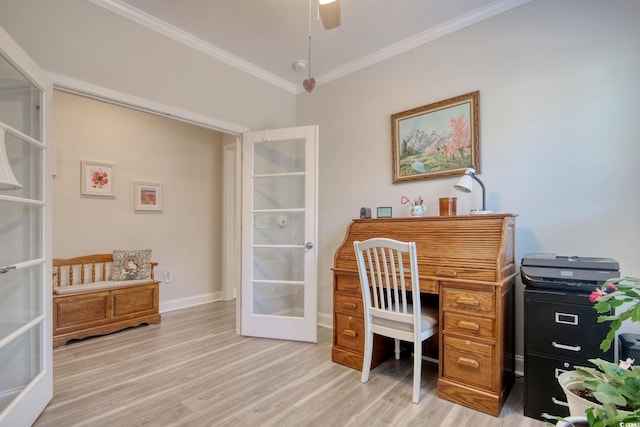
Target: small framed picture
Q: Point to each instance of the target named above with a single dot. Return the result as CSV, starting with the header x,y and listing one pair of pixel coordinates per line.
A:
x,y
147,196
384,212
97,179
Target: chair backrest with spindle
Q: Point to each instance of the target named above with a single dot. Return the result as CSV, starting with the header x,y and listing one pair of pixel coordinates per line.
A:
x,y
389,271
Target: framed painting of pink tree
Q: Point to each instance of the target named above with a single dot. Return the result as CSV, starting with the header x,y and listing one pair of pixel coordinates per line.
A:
x,y
437,140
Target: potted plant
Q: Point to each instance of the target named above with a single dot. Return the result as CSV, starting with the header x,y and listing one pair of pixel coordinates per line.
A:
x,y
609,394
572,422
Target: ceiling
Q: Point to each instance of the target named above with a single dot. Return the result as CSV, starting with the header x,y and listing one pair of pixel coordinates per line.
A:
x,y
266,37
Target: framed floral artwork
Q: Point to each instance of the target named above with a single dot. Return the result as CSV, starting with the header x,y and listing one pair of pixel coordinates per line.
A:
x,y
436,140
147,196
97,178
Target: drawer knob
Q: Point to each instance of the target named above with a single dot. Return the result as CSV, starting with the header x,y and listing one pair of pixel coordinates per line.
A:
x,y
468,301
472,326
349,305
471,363
566,347
446,273
350,333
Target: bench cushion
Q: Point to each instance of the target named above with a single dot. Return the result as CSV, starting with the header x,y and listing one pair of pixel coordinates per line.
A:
x,y
108,284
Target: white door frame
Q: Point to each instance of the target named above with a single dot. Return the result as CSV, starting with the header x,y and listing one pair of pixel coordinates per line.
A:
x,y
231,130
231,224
230,219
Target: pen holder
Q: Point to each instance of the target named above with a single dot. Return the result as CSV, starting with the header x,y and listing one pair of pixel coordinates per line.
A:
x,y
418,210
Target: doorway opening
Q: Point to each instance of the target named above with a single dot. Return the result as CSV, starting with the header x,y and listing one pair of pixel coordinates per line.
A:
x,y
228,199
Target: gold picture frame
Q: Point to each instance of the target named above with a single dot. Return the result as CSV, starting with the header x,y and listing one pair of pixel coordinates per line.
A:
x,y
437,140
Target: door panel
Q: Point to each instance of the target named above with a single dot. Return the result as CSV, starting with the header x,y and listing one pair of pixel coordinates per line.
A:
x,y
279,187
26,374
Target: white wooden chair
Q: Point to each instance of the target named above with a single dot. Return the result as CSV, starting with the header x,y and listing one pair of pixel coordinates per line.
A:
x,y
385,266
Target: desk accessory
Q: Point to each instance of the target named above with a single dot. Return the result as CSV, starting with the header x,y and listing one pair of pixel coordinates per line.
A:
x,y
384,212
465,184
365,212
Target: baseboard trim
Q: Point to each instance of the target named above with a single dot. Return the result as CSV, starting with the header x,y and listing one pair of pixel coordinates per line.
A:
x,y
325,320
191,301
519,365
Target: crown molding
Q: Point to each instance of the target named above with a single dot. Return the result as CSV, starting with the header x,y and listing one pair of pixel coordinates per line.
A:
x,y
89,90
427,36
189,40
162,27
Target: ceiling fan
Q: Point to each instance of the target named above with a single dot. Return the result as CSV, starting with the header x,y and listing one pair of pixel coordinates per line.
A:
x,y
329,13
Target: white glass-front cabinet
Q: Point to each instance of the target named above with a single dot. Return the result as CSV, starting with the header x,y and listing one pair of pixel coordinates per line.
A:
x,y
26,379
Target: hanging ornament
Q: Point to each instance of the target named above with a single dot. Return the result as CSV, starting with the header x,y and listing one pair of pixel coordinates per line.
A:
x,y
310,82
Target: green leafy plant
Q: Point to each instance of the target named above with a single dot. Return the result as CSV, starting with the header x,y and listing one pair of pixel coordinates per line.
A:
x,y
615,386
615,293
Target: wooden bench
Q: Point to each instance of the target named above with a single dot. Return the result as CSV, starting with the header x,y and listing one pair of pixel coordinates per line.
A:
x,y
86,303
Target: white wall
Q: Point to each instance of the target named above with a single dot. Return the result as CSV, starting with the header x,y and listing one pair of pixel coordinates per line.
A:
x,y
559,99
186,237
88,43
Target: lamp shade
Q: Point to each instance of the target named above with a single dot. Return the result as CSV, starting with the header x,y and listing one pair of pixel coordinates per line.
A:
x,y
8,180
464,184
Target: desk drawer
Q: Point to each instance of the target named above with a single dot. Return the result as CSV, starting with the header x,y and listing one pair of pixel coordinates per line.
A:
x,y
468,301
349,332
469,325
349,304
469,362
348,283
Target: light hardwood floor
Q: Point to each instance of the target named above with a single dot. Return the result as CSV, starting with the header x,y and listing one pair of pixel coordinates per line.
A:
x,y
193,370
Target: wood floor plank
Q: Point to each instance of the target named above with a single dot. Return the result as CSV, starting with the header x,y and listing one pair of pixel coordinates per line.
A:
x,y
193,370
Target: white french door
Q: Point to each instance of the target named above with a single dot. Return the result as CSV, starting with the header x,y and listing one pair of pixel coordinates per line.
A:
x,y
279,234
26,377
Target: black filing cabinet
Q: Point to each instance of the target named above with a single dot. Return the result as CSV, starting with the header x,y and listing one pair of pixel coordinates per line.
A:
x,y
561,330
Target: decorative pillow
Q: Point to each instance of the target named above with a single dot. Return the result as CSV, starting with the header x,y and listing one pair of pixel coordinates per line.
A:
x,y
131,264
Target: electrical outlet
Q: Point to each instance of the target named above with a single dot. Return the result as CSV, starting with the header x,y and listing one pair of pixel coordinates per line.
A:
x,y
168,276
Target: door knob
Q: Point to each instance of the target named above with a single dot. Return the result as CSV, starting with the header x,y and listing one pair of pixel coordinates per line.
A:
x,y
8,268
307,245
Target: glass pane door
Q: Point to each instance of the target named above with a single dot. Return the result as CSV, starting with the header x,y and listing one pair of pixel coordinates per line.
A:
x,y
25,297
279,233
278,209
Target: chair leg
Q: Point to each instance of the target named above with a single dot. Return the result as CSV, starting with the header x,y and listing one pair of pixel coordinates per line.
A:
x,y
397,348
417,370
366,360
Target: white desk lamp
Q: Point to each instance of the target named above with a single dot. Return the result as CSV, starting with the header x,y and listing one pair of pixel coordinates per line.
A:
x,y
465,184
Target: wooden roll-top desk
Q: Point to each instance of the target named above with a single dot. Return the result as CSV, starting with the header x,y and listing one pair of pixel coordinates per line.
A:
x,y
469,262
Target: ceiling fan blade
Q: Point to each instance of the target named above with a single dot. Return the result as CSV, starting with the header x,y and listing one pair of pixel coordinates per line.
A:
x,y
329,13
